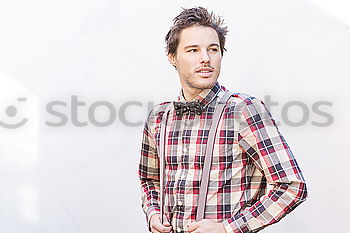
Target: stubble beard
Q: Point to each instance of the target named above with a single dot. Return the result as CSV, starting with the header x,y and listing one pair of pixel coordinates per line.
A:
x,y
200,83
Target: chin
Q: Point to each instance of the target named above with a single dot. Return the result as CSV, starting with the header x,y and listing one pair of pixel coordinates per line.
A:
x,y
203,83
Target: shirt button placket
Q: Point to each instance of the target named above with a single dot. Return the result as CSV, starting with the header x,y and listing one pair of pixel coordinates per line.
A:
x,y
180,196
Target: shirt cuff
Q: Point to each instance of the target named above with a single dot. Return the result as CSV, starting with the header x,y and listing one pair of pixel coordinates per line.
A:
x,y
152,211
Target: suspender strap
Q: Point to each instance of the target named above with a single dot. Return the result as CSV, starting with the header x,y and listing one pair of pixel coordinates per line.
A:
x,y
162,153
208,156
207,160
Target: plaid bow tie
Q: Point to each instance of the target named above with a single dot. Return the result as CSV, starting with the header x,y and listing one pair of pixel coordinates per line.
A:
x,y
194,107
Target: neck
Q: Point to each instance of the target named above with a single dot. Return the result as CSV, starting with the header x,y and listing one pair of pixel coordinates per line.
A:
x,y
189,94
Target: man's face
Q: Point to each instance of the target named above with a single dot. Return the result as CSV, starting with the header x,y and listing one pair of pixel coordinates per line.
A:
x,y
198,58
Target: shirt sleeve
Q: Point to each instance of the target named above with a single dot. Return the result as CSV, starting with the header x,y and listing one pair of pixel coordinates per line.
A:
x,y
149,173
261,140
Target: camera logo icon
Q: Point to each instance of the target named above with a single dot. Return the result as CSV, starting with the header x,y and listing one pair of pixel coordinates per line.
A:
x,y
11,112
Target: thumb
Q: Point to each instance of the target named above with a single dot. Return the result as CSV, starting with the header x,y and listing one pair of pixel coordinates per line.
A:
x,y
166,221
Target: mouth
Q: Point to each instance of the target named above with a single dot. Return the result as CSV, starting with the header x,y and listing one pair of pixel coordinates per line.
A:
x,y
205,71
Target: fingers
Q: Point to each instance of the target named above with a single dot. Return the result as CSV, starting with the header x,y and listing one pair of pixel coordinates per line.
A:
x,y
166,221
158,227
161,228
192,227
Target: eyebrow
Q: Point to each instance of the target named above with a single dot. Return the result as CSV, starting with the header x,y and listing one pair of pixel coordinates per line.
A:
x,y
191,46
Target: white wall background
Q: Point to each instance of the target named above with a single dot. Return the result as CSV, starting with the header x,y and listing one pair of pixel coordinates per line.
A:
x,y
84,179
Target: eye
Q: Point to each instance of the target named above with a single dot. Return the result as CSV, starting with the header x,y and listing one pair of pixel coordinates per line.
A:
x,y
214,49
192,50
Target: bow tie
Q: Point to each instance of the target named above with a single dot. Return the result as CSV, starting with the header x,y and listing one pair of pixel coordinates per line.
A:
x,y
194,107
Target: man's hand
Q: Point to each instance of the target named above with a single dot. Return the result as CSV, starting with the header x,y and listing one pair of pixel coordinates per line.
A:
x,y
157,226
205,226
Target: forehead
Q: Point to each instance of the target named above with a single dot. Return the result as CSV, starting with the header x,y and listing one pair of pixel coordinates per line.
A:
x,y
198,35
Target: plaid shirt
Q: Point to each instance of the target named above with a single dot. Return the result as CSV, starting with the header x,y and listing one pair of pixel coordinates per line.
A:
x,y
254,178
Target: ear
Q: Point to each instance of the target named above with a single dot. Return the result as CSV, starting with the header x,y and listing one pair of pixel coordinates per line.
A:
x,y
171,59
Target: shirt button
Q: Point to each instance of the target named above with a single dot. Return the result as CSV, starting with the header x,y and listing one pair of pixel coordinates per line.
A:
x,y
180,202
185,150
188,123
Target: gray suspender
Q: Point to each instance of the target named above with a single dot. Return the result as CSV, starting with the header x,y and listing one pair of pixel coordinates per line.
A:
x,y
207,159
208,156
162,152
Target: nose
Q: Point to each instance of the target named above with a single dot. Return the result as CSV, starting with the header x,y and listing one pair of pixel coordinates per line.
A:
x,y
205,57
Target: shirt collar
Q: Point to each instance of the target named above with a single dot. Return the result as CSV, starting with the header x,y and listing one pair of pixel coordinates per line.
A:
x,y
206,95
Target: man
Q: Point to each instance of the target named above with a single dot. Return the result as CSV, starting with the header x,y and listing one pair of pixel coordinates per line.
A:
x,y
254,178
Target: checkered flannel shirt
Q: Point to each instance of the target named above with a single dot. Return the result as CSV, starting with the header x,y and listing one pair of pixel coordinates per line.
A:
x,y
254,178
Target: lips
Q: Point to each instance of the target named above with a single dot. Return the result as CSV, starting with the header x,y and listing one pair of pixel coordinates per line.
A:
x,y
205,71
